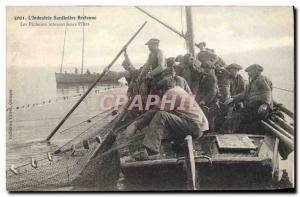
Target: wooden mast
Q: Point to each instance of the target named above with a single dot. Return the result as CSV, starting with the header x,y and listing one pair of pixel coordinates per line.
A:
x,y
189,36
82,53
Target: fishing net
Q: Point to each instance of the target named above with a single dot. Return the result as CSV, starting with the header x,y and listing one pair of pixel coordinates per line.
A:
x,y
59,171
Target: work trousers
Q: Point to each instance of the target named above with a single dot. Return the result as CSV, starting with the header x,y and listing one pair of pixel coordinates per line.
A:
x,y
179,127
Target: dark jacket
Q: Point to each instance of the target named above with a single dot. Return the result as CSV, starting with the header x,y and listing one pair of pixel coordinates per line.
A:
x,y
156,61
204,56
258,92
191,74
237,85
208,89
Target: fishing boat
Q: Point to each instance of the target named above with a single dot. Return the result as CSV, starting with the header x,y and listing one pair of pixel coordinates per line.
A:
x,y
81,78
220,161
85,78
217,160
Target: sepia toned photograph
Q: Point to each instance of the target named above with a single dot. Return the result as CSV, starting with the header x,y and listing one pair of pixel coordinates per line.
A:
x,y
150,98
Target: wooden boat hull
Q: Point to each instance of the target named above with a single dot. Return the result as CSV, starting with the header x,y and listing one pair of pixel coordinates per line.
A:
x,y
225,170
71,78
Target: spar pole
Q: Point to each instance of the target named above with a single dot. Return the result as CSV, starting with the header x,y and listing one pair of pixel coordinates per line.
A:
x,y
94,83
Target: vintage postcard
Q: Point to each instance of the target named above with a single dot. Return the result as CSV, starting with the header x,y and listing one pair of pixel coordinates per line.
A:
x,y
151,98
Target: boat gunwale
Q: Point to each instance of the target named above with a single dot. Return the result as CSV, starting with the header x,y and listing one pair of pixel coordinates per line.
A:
x,y
198,160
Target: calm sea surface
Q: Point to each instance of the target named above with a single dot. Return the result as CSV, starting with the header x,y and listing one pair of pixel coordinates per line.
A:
x,y
38,105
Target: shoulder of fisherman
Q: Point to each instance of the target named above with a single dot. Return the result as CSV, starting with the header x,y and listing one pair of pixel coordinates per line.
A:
x,y
237,84
186,107
179,69
180,81
156,61
241,83
258,91
208,88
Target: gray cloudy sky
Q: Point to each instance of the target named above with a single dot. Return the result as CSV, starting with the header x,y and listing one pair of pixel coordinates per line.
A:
x,y
225,29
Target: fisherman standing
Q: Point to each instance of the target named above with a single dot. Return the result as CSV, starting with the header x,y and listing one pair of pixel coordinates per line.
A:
x,y
207,93
192,68
206,54
154,66
130,74
257,99
179,67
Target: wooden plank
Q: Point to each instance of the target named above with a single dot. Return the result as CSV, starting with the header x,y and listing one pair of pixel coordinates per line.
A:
x,y
284,109
284,124
266,149
288,142
280,129
190,163
275,157
237,142
180,161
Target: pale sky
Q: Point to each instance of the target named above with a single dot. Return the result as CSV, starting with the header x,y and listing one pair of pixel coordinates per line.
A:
x,y
225,29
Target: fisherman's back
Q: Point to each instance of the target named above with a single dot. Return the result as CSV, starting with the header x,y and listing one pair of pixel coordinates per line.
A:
x,y
259,91
208,89
237,85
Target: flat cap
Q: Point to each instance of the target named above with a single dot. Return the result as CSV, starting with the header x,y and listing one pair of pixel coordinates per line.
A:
x,y
200,43
254,67
207,64
166,83
179,58
186,57
170,61
236,66
152,41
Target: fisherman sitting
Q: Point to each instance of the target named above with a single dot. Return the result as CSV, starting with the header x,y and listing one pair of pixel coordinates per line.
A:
x,y
184,118
257,99
232,84
236,81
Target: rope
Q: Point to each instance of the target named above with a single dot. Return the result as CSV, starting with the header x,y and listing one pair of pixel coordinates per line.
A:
x,y
290,91
75,125
58,99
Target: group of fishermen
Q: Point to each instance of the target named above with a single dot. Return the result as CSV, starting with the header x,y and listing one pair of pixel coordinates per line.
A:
x,y
224,103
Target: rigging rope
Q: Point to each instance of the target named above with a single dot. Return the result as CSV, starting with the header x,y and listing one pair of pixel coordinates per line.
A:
x,y
88,120
286,90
